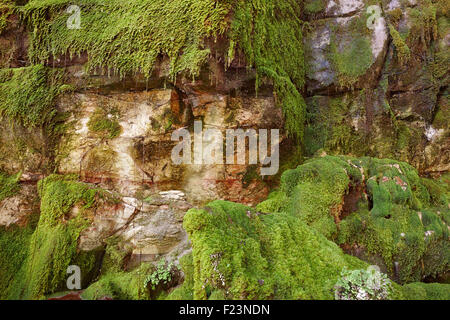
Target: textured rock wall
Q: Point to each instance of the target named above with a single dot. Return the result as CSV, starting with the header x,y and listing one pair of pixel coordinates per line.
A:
x,y
379,91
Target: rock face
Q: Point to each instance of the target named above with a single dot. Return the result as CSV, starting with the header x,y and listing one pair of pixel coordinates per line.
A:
x,y
375,83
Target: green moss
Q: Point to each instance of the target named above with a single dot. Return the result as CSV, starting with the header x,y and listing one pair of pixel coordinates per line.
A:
x,y
53,245
353,61
423,23
401,219
403,52
27,94
104,122
270,35
246,256
426,291
128,37
186,290
120,285
328,127
314,6
9,185
6,7
14,243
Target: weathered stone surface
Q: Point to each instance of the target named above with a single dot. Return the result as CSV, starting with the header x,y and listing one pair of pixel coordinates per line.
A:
x,y
151,227
17,209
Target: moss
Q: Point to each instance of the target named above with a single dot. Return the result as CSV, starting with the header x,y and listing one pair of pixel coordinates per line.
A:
x,y
314,6
120,285
328,128
6,9
246,256
442,117
426,291
9,185
126,38
395,15
14,243
186,290
27,94
104,122
53,245
270,35
423,23
353,61
403,52
401,219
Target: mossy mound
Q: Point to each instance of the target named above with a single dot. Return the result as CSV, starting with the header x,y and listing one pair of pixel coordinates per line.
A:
x,y
53,245
426,291
245,255
378,207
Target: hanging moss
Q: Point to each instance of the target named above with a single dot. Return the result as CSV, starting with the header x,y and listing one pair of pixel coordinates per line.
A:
x,y
53,245
270,35
6,9
27,94
14,243
128,37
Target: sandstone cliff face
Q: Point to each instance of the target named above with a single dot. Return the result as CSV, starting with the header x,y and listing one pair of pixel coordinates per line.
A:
x,y
375,84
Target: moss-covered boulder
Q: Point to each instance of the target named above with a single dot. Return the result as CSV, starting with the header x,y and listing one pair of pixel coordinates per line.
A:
x,y
377,209
245,255
40,266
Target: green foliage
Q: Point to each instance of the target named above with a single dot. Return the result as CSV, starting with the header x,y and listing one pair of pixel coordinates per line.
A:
x,y
9,185
186,290
27,94
162,274
365,284
53,245
246,256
